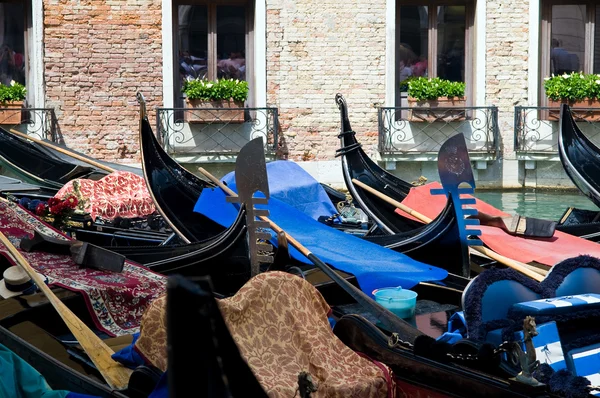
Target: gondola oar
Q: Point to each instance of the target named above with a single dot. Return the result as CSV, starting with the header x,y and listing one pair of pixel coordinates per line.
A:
x,y
532,272
390,321
63,151
115,374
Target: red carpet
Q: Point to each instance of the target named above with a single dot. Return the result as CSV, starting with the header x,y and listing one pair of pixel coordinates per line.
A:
x,y
115,300
548,251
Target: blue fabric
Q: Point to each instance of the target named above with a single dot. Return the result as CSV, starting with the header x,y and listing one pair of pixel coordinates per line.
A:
x,y
450,338
76,395
162,387
374,266
555,306
18,379
291,184
585,362
128,356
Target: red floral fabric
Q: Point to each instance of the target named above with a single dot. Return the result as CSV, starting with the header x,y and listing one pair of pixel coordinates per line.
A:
x,y
119,194
116,301
279,322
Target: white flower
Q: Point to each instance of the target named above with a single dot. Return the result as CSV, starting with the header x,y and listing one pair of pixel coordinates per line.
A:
x,y
546,78
209,85
597,81
12,82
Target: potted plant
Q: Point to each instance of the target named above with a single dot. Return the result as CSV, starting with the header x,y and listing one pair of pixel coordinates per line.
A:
x,y
577,89
435,95
215,94
11,102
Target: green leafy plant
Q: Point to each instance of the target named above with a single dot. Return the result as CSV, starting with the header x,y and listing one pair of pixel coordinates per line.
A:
x,y
423,88
214,90
13,92
573,87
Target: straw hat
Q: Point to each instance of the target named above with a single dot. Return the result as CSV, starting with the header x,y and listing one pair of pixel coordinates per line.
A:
x,y
16,282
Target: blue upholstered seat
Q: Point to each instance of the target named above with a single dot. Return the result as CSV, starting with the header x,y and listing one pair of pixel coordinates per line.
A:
x,y
577,275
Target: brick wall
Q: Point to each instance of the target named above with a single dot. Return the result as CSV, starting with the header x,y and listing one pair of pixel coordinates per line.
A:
x,y
507,52
98,55
315,51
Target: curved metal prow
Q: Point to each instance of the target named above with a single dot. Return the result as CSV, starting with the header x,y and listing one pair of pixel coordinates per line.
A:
x,y
142,102
343,107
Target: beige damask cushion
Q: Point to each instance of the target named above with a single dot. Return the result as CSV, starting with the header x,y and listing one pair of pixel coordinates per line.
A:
x,y
279,322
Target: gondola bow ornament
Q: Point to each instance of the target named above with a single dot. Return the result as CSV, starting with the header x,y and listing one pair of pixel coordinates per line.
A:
x,y
454,168
250,179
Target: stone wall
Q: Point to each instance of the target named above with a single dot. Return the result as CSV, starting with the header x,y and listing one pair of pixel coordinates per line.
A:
x,y
507,52
315,51
98,55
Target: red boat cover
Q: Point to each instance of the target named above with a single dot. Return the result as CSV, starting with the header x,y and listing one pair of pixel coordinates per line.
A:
x,y
279,322
547,251
119,194
116,301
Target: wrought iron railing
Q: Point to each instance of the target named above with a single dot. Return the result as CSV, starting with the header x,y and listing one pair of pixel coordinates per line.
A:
x,y
39,122
408,130
222,131
536,128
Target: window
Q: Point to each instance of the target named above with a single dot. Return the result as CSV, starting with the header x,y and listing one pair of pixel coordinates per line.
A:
x,y
212,42
433,40
12,42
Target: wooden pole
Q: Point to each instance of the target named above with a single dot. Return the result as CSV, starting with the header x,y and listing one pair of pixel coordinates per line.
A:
x,y
115,374
63,151
392,322
532,272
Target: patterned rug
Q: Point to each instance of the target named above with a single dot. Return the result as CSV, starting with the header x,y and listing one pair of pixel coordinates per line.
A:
x,y
115,300
119,194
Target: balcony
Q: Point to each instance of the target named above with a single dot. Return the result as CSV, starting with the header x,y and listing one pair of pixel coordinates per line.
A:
x,y
536,130
408,133
208,134
38,122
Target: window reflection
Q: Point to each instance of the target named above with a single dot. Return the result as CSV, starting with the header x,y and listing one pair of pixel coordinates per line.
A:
x,y
193,42
231,42
567,45
12,40
451,28
413,47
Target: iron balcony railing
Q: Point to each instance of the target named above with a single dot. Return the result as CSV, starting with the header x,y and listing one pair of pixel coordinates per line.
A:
x,y
416,131
536,128
39,122
216,131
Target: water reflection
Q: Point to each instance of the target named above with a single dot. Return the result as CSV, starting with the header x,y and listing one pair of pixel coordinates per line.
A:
x,y
548,205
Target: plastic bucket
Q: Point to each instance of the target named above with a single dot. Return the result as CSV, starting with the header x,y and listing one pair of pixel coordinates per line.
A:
x,y
401,302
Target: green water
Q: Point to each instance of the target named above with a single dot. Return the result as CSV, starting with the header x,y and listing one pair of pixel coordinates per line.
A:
x,y
549,205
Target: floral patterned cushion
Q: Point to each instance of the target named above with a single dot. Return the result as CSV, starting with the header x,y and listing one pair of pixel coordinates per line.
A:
x,y
280,324
119,194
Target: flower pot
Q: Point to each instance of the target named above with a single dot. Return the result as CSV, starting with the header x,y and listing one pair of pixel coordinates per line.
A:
x,y
581,109
221,111
10,112
440,109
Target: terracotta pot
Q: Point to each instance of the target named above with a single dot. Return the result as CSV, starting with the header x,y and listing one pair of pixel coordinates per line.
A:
x,y
581,109
437,110
222,111
10,112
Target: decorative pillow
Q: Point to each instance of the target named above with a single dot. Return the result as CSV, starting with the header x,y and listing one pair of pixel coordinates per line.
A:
x,y
119,194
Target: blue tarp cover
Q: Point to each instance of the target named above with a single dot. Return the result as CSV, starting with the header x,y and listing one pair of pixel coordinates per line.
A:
x,y
291,184
374,266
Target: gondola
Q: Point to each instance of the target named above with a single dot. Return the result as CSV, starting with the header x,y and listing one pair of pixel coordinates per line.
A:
x,y
580,156
436,243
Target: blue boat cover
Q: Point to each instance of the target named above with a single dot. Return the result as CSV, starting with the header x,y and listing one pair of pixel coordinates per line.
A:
x,y
293,185
374,266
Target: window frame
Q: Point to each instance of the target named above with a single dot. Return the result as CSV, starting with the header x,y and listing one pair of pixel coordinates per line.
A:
x,y
212,41
432,38
546,38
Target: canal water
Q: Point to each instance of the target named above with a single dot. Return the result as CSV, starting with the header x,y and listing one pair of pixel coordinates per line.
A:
x,y
549,205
